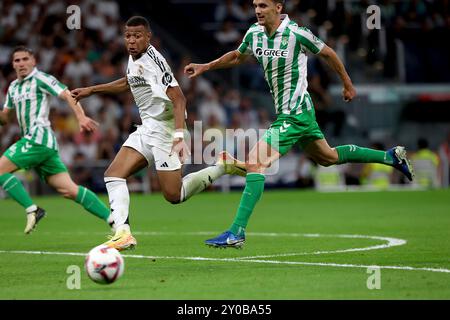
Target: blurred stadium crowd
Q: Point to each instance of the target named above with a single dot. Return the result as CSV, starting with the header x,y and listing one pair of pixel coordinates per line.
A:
x,y
96,54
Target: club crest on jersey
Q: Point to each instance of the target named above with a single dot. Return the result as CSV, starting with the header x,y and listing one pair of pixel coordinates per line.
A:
x,y
140,70
280,53
260,39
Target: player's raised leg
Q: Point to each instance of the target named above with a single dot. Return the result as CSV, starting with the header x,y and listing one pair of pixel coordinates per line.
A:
x,y
324,155
260,158
126,162
64,185
177,189
196,182
15,189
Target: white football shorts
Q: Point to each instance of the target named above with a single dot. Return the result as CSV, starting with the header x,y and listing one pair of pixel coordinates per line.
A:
x,y
155,147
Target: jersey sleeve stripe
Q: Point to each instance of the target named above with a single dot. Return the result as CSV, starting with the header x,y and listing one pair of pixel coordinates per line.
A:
x,y
245,47
307,39
8,103
46,87
47,84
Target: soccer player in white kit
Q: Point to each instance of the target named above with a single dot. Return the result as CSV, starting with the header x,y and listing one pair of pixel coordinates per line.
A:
x,y
160,138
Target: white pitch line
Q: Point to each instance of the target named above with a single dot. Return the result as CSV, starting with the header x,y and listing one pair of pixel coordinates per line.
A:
x,y
320,264
391,242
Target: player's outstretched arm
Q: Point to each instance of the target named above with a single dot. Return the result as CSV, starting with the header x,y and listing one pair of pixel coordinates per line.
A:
x,y
116,86
228,60
86,123
330,56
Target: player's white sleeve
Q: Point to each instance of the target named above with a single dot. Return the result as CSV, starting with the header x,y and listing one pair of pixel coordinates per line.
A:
x,y
8,103
246,46
164,75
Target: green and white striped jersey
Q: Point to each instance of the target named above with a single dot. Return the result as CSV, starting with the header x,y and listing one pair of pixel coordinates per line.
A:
x,y
283,57
30,99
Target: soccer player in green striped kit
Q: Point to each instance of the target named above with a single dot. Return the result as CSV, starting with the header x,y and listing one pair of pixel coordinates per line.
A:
x,y
38,149
280,47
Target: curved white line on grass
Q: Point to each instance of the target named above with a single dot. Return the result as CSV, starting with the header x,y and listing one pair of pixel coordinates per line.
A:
x,y
391,242
320,264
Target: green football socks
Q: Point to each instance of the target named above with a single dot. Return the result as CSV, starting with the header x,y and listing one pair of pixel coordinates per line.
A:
x,y
92,203
254,188
15,189
352,153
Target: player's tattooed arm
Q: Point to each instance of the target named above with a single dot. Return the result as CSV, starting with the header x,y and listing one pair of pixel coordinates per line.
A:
x,y
228,60
86,123
113,87
330,56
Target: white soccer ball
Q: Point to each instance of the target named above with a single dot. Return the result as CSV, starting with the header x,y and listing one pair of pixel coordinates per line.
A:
x,y
104,264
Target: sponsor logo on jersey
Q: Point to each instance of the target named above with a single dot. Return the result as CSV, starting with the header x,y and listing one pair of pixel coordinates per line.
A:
x,y
134,81
22,97
279,53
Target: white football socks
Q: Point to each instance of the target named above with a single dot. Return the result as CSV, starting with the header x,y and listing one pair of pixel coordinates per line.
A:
x,y
196,182
119,202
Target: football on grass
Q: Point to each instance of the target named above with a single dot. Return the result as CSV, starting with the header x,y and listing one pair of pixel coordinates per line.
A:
x,y
104,265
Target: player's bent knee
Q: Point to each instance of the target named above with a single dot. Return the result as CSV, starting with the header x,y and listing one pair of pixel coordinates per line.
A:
x,y
68,194
324,163
108,173
173,198
111,171
327,160
255,167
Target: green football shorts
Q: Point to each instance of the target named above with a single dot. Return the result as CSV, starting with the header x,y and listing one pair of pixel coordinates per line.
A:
x,y
26,154
289,130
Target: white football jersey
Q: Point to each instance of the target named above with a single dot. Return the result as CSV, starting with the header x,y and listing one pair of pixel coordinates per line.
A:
x,y
148,78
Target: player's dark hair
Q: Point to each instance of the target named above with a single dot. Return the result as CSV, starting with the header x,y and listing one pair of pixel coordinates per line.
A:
x,y
422,143
377,145
135,21
22,48
282,2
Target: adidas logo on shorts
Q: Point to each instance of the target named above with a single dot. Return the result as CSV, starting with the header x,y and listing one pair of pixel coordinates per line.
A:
x,y
164,165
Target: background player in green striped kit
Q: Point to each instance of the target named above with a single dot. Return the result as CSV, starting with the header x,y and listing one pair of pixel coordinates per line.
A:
x,y
280,46
38,149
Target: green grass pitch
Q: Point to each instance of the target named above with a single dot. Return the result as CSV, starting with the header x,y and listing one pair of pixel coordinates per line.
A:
x,y
300,245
